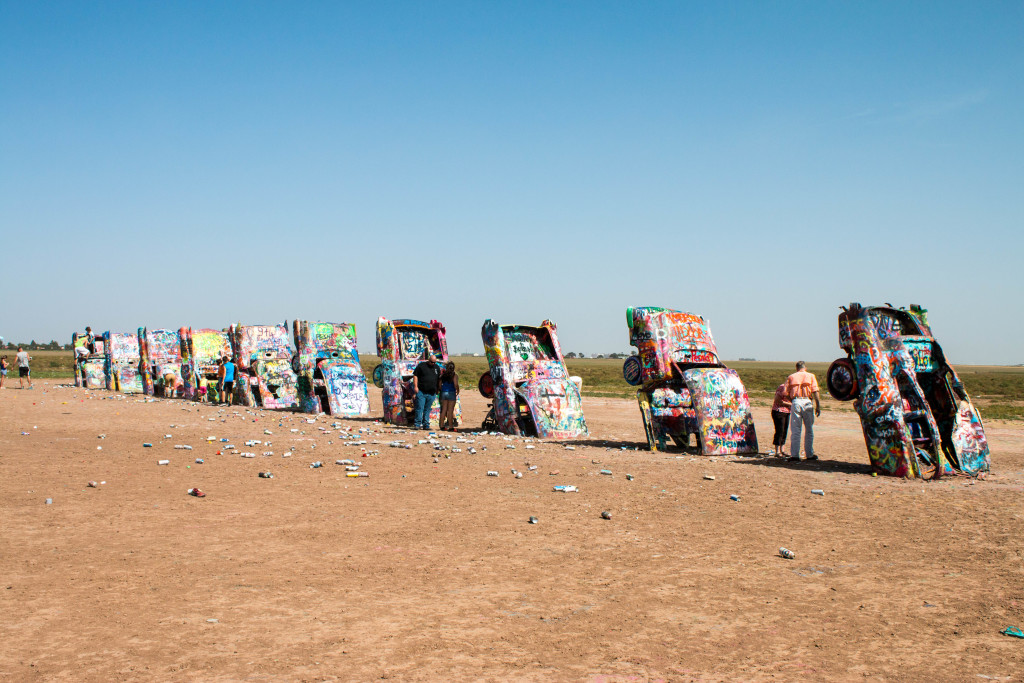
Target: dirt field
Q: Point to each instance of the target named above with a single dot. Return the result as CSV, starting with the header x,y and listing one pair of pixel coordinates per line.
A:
x,y
430,570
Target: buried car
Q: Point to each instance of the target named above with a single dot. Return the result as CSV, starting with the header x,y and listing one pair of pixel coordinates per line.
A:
x,y
401,346
91,369
531,391
918,420
684,388
123,362
263,355
200,350
161,361
330,379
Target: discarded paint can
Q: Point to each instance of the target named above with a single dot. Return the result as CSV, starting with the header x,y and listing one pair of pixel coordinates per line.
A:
x,y
93,484
163,462
147,445
492,473
533,520
629,477
49,501
266,475
818,492
734,497
709,477
606,471
197,493
316,465
606,515
357,474
199,461
787,553
566,489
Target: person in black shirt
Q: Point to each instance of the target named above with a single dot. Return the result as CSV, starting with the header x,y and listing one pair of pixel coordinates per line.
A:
x,y
425,379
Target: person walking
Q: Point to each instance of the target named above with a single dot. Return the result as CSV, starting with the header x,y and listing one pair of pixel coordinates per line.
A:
x,y
449,395
4,365
425,380
801,388
227,381
780,417
219,392
23,369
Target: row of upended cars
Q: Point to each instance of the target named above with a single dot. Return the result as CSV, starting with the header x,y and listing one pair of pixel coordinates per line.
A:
x,y
918,420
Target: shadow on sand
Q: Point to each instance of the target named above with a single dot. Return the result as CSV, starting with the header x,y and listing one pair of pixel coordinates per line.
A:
x,y
820,465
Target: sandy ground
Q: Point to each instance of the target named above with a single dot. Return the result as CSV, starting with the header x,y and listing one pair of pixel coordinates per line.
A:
x,y
430,570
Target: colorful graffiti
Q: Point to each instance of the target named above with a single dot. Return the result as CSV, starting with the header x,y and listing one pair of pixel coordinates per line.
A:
x,y
90,371
200,350
401,345
263,355
532,393
330,379
684,388
916,417
161,361
123,362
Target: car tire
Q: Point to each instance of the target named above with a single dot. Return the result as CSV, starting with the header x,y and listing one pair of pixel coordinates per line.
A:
x,y
841,380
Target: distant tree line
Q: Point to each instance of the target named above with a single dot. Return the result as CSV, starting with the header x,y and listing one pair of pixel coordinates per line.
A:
x,y
37,346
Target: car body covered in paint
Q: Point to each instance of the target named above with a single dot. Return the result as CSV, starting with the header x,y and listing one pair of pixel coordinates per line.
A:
x,y
123,362
161,356
918,420
529,384
330,379
91,372
401,345
265,377
200,349
684,388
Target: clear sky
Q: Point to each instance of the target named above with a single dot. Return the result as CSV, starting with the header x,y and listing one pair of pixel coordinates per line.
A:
x,y
759,163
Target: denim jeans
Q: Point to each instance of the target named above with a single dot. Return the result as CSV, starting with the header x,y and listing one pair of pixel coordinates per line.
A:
x,y
424,403
801,418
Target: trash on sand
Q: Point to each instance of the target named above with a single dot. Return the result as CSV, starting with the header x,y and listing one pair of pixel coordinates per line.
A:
x,y
606,471
163,462
197,493
787,553
709,477
93,484
566,488
492,473
147,445
606,515
49,501
533,520
818,492
266,475
357,474
629,477
734,497
1012,631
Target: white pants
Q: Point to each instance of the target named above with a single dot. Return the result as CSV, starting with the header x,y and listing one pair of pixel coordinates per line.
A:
x,y
801,417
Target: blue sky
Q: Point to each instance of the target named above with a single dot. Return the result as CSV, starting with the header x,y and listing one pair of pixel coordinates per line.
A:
x,y
759,163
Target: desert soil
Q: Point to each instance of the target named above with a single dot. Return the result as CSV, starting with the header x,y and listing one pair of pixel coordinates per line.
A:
x,y
430,570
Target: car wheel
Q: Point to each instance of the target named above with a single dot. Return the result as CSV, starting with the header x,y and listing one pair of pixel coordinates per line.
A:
x,y
841,380
378,377
486,385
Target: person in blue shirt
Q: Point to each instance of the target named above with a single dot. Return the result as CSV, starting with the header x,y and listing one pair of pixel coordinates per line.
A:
x,y
227,381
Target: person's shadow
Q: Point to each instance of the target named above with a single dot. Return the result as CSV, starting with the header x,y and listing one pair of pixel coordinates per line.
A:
x,y
840,466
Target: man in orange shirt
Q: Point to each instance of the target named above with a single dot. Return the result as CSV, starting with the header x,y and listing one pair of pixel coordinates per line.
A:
x,y
801,388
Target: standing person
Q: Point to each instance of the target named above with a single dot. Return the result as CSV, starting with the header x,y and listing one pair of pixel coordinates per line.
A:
x,y
219,393
449,394
780,416
425,379
23,371
801,387
81,354
3,370
227,381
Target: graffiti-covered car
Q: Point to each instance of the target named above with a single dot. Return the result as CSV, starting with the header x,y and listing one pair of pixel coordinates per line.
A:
x,y
263,356
918,420
200,349
161,361
684,388
531,391
401,346
123,362
90,370
330,379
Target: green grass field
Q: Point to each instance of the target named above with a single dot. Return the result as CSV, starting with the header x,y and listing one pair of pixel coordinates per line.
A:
x,y
999,390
